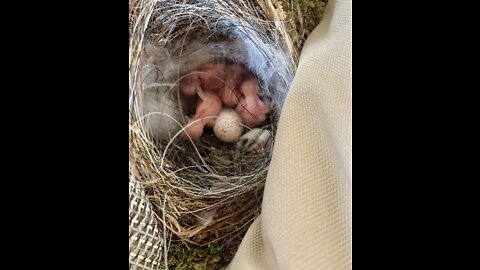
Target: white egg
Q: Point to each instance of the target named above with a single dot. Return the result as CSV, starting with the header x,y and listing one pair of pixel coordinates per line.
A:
x,y
228,127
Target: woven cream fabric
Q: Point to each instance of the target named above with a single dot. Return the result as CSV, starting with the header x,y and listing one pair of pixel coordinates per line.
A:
x,y
145,242
306,220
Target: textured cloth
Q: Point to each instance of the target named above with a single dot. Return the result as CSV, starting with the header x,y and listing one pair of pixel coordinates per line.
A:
x,y
145,242
306,220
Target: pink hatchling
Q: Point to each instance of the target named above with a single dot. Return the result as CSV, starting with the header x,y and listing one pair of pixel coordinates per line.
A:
x,y
251,108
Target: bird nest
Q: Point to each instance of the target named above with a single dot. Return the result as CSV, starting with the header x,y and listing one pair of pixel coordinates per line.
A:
x,y
206,191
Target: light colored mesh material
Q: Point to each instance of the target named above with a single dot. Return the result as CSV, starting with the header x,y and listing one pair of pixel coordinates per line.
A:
x,y
145,238
306,220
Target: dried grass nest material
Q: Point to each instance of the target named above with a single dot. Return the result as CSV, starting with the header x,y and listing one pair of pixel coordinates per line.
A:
x,y
207,192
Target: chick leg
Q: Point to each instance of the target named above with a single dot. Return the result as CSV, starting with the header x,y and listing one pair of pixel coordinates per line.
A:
x,y
254,140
